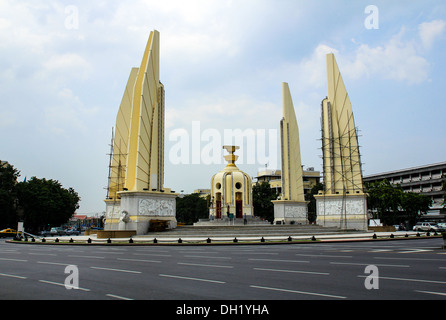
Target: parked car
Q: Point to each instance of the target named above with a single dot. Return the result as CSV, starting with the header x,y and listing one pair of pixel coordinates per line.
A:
x,y
57,231
8,233
399,227
72,232
427,226
442,225
45,233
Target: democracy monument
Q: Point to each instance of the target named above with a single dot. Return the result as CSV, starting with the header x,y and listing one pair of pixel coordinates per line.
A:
x,y
291,206
343,202
136,194
231,189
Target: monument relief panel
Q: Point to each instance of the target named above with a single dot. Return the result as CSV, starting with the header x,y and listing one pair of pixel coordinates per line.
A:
x,y
157,207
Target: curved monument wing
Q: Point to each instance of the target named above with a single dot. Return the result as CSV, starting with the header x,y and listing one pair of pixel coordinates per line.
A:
x,y
342,164
144,160
292,173
121,139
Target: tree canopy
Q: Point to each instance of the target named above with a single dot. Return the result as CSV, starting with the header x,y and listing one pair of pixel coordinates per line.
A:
x,y
262,195
39,203
312,201
191,208
390,200
8,181
45,203
444,189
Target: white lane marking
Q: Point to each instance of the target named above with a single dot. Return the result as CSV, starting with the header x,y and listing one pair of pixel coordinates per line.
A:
x,y
55,263
432,292
208,257
92,257
62,285
107,252
189,278
117,297
118,270
153,254
407,279
18,260
378,265
139,260
414,251
276,260
408,259
11,276
269,253
299,292
293,271
204,265
322,255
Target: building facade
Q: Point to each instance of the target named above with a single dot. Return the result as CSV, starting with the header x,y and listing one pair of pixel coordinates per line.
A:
x,y
427,180
274,177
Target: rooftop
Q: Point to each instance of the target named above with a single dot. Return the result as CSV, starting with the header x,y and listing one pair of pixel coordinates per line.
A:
x,y
440,165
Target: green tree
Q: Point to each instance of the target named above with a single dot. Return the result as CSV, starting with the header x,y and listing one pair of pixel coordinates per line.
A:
x,y
262,195
415,205
8,181
45,203
384,197
312,201
191,207
444,190
390,200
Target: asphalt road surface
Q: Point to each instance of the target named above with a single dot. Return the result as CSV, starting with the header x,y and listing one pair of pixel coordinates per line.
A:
x,y
384,270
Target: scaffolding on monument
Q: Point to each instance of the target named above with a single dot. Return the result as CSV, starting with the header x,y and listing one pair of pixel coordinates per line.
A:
x,y
116,174
349,169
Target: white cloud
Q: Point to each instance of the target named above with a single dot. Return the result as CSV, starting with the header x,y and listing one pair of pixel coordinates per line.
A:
x,y
221,113
312,70
192,12
429,31
70,65
7,118
197,28
397,59
30,26
67,115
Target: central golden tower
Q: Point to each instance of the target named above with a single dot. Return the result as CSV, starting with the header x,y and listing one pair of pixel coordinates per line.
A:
x,y
231,190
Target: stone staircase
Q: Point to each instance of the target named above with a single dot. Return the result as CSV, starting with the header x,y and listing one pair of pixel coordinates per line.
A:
x,y
233,222
239,229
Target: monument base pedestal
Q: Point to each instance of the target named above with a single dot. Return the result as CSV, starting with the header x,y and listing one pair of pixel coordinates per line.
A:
x,y
290,212
135,209
343,211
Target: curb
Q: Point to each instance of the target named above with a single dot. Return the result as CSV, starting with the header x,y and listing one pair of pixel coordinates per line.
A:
x,y
222,241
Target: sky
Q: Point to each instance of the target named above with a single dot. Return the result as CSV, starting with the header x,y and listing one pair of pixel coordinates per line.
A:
x,y
64,66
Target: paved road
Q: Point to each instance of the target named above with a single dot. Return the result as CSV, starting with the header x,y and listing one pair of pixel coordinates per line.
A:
x,y
407,269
